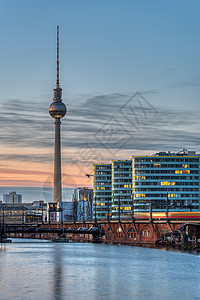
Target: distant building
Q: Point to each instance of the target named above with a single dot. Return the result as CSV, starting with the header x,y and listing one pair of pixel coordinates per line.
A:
x,y
12,197
85,204
38,204
38,211
23,212
79,209
60,212
14,212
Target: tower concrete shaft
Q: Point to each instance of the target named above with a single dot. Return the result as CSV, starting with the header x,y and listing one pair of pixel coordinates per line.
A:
x,y
57,191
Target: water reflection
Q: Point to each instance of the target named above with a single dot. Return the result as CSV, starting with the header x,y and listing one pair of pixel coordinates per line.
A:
x,y
171,249
103,276
88,271
57,271
3,247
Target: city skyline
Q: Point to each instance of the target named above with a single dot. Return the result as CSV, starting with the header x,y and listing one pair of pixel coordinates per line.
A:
x,y
139,54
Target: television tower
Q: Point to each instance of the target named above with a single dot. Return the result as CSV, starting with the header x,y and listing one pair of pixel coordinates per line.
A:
x,y
57,110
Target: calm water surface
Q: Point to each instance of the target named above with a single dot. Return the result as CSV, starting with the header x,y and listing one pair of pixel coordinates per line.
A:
x,y
93,271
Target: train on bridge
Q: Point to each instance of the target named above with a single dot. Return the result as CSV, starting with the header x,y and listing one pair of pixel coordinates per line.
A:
x,y
170,215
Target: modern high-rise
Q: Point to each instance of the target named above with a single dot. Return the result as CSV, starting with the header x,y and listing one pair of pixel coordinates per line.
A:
x,y
121,189
162,181
166,177
102,191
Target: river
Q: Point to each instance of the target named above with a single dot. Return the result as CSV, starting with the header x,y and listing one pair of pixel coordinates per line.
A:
x,y
73,271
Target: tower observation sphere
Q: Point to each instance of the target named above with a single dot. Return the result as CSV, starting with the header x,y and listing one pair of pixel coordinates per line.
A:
x,y
57,110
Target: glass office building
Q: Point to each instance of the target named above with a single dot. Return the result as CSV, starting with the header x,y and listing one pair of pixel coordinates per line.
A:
x,y
121,189
102,192
163,180
166,177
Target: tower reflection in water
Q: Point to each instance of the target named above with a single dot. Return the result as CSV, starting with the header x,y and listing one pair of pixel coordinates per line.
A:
x,y
58,272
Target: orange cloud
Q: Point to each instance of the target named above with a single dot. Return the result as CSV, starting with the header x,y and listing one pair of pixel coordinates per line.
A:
x,y
38,178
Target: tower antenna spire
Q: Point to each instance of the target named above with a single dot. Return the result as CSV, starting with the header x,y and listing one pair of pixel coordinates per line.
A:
x,y
57,79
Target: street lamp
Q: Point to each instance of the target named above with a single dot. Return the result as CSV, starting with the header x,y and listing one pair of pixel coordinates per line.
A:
x,y
150,208
133,208
42,216
108,210
167,202
119,207
95,212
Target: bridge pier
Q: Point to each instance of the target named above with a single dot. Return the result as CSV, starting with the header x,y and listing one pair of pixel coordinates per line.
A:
x,y
137,233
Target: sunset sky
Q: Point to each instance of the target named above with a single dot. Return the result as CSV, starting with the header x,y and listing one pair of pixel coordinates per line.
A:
x,y
130,74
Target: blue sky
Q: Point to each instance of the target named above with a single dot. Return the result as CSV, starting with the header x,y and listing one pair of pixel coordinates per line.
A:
x,y
109,51
106,46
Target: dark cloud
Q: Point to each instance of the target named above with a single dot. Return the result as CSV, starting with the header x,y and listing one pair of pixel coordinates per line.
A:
x,y
113,123
28,158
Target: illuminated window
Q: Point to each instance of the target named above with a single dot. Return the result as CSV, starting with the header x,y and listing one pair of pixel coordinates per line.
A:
x,y
103,188
157,165
126,186
182,172
186,171
139,195
127,208
185,166
120,232
165,183
171,195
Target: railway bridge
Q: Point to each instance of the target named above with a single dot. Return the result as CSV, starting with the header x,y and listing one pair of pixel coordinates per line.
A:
x,y
142,230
